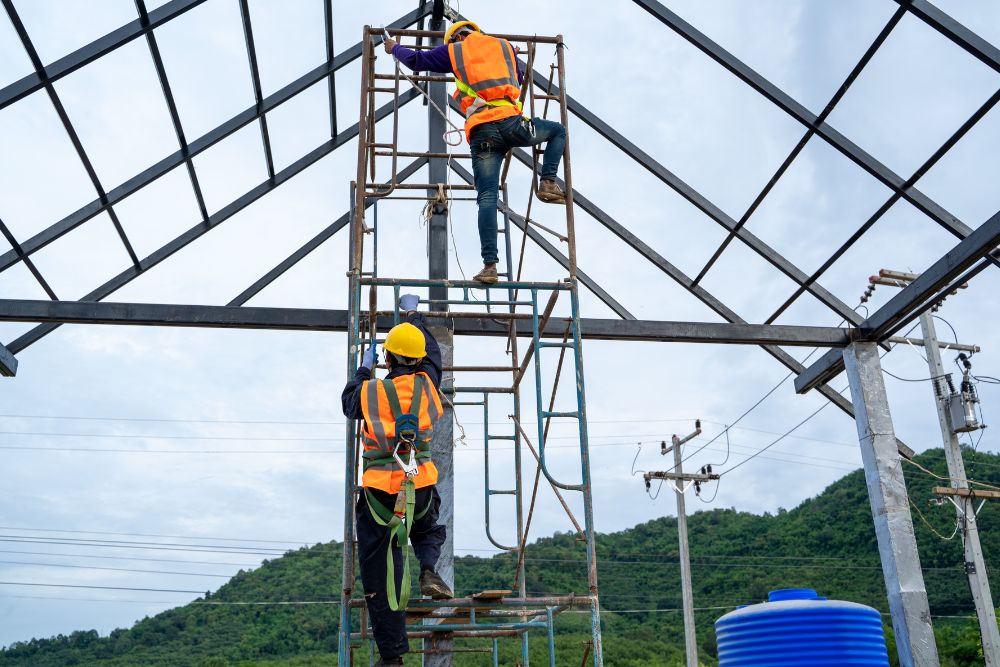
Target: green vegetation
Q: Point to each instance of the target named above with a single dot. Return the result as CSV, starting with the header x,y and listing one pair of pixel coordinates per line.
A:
x,y
826,543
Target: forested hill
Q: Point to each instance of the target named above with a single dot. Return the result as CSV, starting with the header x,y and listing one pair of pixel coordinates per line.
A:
x,y
826,543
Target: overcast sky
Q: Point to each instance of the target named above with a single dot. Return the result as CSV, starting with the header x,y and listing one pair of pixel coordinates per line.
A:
x,y
234,439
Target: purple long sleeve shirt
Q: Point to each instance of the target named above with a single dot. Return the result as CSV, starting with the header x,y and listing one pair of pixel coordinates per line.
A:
x,y
433,60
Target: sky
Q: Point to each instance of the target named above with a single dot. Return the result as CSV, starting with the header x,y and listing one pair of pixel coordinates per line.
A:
x,y
179,456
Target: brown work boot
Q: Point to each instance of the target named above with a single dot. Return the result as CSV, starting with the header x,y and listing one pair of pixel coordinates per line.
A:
x,y
550,193
433,586
488,275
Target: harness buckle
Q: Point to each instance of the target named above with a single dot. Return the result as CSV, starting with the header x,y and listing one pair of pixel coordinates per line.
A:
x,y
410,467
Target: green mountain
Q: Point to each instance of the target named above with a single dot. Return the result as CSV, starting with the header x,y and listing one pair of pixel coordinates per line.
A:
x,y
826,543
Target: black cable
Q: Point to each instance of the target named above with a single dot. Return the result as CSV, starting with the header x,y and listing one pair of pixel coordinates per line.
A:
x,y
936,377
954,335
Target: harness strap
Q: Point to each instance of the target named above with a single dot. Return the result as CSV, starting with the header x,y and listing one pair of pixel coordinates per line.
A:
x,y
399,521
479,103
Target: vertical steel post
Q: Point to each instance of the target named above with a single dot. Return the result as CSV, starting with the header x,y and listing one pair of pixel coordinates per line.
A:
x,y
442,444
687,597
356,243
975,564
897,545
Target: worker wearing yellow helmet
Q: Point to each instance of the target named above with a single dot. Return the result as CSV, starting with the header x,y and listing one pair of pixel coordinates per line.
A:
x,y
488,76
400,501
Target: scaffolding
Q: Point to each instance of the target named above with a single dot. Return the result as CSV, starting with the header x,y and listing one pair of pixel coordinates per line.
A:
x,y
524,308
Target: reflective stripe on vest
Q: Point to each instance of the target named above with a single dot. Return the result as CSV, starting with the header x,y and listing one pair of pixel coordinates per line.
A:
x,y
379,430
486,77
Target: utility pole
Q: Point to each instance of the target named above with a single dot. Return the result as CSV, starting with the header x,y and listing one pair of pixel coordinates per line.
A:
x,y
956,414
975,565
679,479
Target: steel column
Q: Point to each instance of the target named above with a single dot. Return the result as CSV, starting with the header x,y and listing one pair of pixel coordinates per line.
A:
x,y
442,444
904,580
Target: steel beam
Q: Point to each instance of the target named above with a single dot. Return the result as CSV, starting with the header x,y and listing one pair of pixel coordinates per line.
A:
x,y
553,251
981,49
897,545
7,234
810,132
700,202
91,52
147,176
175,118
698,291
315,319
920,294
265,136
313,243
891,201
800,113
71,132
216,219
8,363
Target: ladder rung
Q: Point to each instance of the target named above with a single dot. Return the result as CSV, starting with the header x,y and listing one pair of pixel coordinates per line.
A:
x,y
497,492
500,437
545,344
547,97
378,89
574,414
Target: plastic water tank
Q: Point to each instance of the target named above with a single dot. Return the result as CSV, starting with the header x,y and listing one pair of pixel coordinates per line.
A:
x,y
796,627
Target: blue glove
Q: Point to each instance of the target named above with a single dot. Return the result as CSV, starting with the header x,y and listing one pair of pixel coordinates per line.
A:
x,y
369,358
409,302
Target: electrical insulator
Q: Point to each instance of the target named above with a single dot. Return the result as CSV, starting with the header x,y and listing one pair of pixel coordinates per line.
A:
x,y
709,468
697,488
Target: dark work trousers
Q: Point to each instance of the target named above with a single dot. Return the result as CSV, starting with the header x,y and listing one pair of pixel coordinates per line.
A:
x,y
426,536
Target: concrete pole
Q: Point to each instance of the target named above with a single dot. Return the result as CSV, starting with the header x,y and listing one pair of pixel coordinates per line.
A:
x,y
442,448
687,596
897,545
975,565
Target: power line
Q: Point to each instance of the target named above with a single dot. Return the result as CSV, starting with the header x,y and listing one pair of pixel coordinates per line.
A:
x,y
176,537
108,588
74,540
153,560
114,569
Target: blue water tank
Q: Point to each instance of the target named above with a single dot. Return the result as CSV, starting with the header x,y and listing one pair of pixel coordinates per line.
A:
x,y
798,628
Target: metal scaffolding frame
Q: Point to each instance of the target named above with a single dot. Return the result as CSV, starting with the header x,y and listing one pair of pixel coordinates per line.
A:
x,y
974,252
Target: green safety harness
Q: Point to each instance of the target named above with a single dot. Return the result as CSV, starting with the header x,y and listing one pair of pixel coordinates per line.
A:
x,y
400,519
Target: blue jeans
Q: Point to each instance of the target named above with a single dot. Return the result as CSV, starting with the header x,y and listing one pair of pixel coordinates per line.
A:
x,y
490,143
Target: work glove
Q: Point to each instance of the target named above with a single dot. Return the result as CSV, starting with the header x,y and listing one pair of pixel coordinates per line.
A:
x,y
369,358
408,302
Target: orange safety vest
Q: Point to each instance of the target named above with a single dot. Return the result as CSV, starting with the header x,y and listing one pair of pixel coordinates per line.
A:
x,y
381,471
486,75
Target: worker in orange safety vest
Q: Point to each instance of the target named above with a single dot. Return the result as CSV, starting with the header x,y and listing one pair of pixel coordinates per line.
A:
x,y
488,80
400,500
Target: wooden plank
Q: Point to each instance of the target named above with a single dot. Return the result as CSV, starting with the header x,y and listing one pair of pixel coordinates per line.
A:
x,y
491,595
965,493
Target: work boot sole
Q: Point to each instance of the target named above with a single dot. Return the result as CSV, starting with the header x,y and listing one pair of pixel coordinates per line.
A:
x,y
436,592
487,280
551,198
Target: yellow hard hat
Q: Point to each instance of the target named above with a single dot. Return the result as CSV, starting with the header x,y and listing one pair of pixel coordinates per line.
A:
x,y
406,340
455,27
